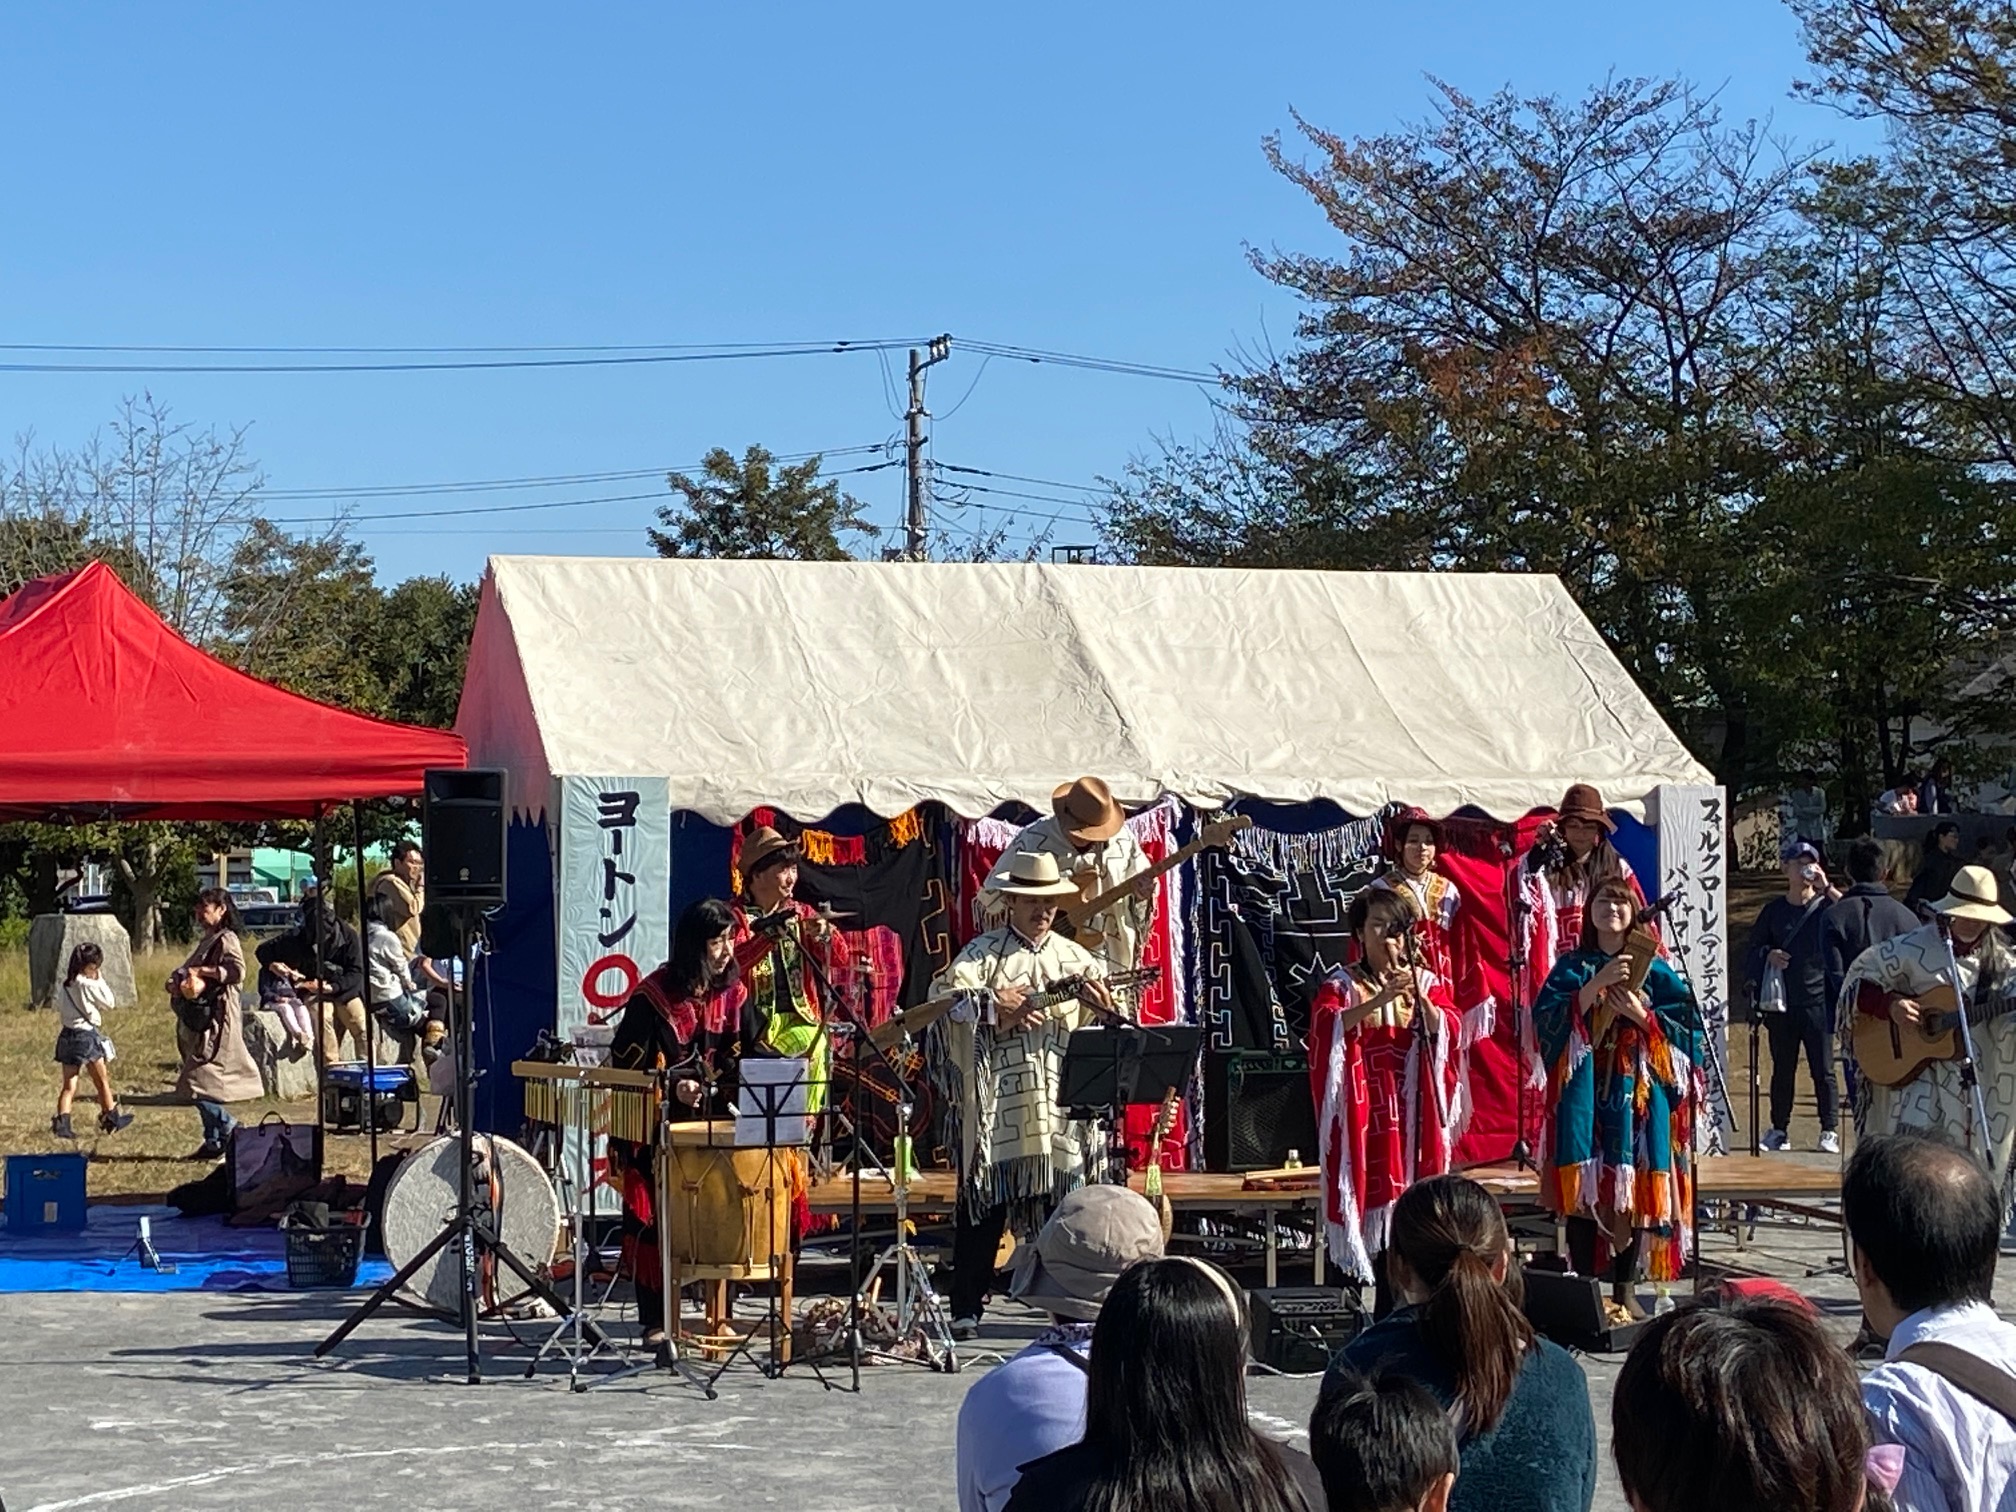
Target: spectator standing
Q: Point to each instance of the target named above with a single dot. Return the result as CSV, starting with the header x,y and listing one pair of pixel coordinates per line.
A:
x,y
82,1002
210,1033
1748,1408
1519,1403
401,894
1165,1409
1923,1224
1935,793
1936,872
1806,807
1382,1444
1786,947
1034,1404
1865,915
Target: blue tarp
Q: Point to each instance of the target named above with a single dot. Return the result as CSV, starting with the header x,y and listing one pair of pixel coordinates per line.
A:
x,y
208,1255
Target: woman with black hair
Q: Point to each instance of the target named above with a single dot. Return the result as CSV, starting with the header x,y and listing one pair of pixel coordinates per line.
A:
x,y
1165,1410
1384,1072
216,1067
692,1017
1519,1404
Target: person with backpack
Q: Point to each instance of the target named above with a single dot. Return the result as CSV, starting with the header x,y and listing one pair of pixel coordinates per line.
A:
x,y
81,1004
1786,970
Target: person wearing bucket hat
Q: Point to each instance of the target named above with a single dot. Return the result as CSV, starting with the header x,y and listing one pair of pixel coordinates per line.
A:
x,y
1888,979
999,1062
1086,834
1412,842
781,948
1034,1404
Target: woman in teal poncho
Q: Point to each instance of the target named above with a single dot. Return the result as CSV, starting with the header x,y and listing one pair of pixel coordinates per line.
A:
x,y
1621,1081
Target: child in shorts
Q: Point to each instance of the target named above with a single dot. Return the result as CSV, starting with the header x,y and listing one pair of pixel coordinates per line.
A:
x,y
81,1044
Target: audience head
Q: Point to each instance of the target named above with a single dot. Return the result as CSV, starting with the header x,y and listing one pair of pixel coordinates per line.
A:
x,y
1866,861
1096,1234
1165,1403
1381,1444
1924,1222
1451,1254
1745,1408
1945,836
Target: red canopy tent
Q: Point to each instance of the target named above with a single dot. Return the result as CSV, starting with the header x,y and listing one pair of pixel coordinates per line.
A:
x,y
105,712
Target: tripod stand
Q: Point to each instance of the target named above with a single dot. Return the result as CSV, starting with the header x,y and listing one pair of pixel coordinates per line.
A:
x,y
470,1231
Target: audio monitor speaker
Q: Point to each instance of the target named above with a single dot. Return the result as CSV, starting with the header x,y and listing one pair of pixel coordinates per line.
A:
x,y
1257,1108
462,828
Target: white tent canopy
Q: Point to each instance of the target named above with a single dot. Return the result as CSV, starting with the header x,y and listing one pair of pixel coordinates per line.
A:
x,y
809,685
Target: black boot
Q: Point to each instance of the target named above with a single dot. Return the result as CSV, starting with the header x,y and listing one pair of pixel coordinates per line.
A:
x,y
113,1119
60,1127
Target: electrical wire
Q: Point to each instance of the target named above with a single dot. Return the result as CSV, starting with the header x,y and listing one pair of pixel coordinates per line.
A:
x,y
589,357
982,472
556,480
1093,364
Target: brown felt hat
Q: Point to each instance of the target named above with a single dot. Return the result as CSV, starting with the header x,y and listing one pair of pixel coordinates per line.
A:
x,y
1406,819
1583,802
764,847
1088,811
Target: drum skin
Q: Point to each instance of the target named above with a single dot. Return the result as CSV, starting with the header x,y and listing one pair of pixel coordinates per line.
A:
x,y
421,1197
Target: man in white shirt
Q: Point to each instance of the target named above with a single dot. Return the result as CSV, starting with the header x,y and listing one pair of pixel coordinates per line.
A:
x,y
1924,1222
1034,1404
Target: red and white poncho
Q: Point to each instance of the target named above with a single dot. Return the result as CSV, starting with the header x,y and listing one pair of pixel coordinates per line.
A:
x,y
1387,1111
1437,899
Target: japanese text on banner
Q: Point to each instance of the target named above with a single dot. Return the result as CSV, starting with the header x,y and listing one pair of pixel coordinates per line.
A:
x,y
615,882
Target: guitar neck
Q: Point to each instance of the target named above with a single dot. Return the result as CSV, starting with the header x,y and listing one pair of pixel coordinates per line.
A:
x,y
1078,913
1051,998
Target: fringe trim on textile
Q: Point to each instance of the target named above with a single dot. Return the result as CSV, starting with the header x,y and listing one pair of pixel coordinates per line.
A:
x,y
1457,1123
1480,1022
1571,1190
1346,1243
1329,848
1378,1229
1539,903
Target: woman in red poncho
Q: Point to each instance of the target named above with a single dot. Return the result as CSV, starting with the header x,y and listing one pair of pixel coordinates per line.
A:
x,y
1383,1064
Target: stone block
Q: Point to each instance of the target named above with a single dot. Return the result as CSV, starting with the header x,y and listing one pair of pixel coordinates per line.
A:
x,y
52,937
287,1074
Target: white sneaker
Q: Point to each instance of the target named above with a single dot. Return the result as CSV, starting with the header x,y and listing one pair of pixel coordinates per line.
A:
x,y
1830,1142
1776,1140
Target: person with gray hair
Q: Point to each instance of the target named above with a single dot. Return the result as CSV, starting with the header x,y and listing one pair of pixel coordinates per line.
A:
x,y
1034,1404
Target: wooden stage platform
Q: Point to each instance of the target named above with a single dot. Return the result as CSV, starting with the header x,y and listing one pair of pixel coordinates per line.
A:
x,y
1762,1180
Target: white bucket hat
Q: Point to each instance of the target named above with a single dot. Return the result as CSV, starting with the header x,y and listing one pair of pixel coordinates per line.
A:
x,y
1974,895
1034,874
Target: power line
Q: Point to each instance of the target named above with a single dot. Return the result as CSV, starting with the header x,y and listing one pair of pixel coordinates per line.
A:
x,y
557,480
1077,516
982,472
586,357
1094,364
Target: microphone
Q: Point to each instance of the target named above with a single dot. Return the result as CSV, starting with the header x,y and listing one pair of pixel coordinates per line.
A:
x,y
1657,908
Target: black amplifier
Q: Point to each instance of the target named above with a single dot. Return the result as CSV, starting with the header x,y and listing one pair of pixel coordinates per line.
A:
x,y
1296,1329
1257,1108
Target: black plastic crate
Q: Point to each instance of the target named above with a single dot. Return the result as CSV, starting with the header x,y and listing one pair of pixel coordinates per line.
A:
x,y
319,1255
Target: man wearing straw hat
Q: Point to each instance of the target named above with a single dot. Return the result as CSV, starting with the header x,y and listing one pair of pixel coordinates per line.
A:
x,y
1887,979
999,1059
1086,834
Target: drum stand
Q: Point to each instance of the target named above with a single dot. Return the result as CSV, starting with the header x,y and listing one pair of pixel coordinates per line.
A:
x,y
467,1230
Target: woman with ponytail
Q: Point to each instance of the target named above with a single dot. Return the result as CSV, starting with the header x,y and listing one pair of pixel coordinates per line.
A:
x,y
1519,1404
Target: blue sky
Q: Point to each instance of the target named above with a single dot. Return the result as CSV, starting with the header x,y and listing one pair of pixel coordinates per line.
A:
x,y
1083,178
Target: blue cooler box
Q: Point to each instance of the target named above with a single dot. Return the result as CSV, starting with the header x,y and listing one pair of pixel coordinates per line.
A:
x,y
44,1192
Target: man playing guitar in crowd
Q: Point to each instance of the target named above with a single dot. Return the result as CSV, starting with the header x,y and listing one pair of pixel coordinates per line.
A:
x,y
1086,835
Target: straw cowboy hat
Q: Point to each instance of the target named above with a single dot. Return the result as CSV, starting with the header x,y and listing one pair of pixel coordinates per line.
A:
x,y
1096,1233
1583,802
1973,895
764,847
1087,810
1034,874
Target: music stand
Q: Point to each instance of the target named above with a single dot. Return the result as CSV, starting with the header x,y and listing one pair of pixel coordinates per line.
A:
x,y
1111,1067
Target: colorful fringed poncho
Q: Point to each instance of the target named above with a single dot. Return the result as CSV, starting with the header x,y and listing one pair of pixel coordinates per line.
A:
x,y
1387,1111
1615,1139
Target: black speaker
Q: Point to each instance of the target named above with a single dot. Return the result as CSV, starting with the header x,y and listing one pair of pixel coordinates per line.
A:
x,y
462,836
1296,1329
1257,1108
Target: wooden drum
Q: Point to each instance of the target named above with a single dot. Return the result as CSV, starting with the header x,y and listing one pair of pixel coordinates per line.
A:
x,y
728,1211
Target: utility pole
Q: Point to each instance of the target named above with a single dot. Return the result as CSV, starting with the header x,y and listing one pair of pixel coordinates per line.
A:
x,y
917,518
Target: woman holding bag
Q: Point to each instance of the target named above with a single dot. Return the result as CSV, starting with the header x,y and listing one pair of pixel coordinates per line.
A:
x,y
216,1067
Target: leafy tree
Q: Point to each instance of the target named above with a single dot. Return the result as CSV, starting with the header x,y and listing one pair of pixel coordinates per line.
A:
x,y
422,648
756,509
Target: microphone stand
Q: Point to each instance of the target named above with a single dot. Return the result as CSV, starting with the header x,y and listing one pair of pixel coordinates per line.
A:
x,y
1516,910
1970,1079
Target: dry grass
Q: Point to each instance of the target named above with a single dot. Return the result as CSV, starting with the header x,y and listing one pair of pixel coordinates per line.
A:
x,y
150,1156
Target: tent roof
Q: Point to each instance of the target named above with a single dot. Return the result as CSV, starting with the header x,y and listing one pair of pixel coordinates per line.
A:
x,y
104,710
809,685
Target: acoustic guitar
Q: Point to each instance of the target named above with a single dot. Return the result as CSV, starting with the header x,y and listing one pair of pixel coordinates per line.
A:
x,y
1151,1178
1890,1055
912,1021
1074,919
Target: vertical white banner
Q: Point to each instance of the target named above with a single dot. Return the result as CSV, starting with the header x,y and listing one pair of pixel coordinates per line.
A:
x,y
1694,872
614,894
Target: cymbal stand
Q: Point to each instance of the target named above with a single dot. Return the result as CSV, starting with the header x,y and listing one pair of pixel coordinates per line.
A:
x,y
920,1313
